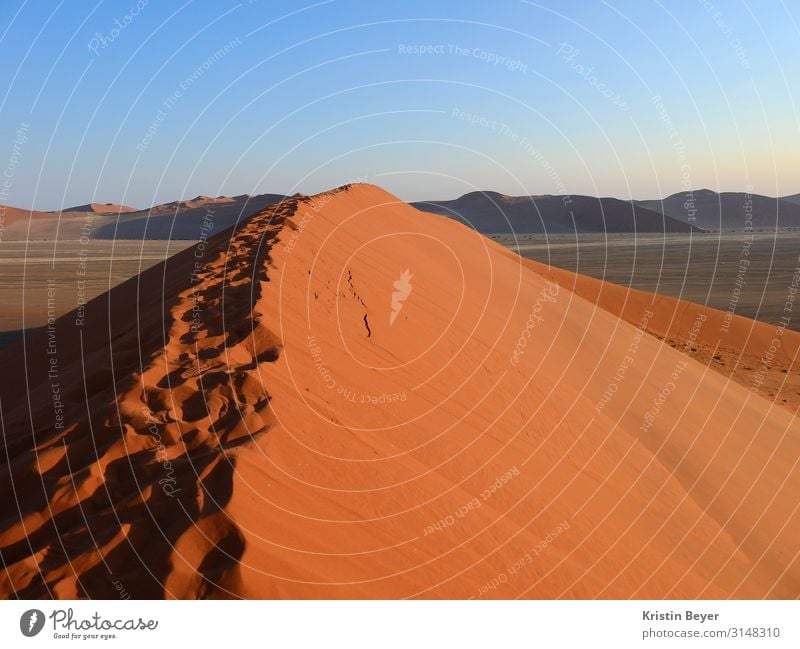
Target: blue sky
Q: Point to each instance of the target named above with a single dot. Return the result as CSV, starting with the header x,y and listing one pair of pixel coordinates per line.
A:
x,y
142,102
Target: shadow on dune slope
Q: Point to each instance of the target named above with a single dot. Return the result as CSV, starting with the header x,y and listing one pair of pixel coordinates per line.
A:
x,y
162,362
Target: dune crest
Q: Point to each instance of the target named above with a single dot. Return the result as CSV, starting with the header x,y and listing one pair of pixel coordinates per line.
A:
x,y
100,208
267,419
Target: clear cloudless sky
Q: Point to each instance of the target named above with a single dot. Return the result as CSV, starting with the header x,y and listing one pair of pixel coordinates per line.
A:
x,y
142,102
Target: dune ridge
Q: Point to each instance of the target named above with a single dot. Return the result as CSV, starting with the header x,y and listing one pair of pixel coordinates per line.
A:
x,y
101,208
264,420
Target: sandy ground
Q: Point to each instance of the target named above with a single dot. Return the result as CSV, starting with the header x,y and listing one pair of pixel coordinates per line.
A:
x,y
38,278
343,398
760,356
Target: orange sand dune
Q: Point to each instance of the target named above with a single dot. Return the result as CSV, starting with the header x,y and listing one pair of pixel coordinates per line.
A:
x,y
763,357
19,224
10,215
101,208
191,204
348,398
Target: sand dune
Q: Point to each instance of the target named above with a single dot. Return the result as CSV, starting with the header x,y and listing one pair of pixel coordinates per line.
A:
x,y
18,216
191,219
177,220
761,356
101,208
345,397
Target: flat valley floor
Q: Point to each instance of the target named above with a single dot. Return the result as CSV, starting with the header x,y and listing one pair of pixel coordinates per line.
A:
x,y
47,278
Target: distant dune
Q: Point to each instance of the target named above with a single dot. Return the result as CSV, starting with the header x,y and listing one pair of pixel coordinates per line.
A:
x,y
19,217
186,219
101,208
177,220
729,210
199,202
493,213
347,398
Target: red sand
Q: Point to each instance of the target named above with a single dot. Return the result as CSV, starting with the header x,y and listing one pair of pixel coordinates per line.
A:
x,y
489,440
101,208
763,357
9,215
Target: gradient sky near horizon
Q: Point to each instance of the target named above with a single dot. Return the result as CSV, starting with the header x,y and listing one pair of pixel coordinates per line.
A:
x,y
628,98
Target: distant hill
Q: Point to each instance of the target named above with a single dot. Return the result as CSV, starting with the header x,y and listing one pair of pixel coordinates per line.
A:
x,y
728,211
794,198
100,208
494,213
